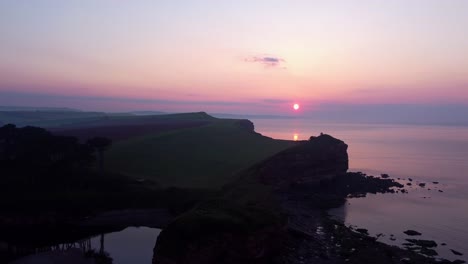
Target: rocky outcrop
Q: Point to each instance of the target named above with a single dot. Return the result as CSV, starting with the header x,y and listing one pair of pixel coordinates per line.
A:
x,y
321,158
246,124
247,224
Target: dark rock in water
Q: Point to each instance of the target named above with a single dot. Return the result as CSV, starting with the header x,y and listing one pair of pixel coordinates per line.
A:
x,y
362,231
412,233
385,176
423,243
428,252
435,182
441,191
409,179
422,185
456,252
409,184
443,244
458,261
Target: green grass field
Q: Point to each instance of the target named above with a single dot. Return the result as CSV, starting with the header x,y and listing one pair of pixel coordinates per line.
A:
x,y
202,157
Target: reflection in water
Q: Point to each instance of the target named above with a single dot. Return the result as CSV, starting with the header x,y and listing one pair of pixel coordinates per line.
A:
x,y
131,245
427,154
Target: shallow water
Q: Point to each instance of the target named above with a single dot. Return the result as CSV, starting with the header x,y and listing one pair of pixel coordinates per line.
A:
x,y
128,246
423,153
131,245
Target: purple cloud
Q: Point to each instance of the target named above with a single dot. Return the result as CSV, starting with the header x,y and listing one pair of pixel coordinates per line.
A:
x,y
267,61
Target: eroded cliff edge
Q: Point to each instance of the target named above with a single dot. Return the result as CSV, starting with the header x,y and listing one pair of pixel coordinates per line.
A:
x,y
276,213
248,224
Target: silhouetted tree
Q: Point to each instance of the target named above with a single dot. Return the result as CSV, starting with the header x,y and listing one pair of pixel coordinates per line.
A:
x,y
31,153
100,144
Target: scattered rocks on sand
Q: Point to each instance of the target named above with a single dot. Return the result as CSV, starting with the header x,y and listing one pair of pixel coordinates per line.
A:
x,y
412,233
456,252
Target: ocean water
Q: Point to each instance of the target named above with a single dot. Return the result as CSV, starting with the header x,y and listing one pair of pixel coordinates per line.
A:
x,y
426,154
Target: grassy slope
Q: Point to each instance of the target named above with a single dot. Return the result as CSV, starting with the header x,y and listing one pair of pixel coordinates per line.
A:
x,y
203,157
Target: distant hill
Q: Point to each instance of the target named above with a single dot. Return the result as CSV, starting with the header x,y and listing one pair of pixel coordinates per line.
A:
x,y
27,108
245,116
148,113
43,118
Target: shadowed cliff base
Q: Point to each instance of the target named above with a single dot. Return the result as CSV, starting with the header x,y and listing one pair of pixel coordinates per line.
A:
x,y
276,213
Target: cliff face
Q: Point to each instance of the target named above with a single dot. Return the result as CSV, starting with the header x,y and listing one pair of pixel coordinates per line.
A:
x,y
246,124
247,224
320,158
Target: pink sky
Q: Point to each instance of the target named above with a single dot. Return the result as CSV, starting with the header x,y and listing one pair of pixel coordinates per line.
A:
x,y
240,56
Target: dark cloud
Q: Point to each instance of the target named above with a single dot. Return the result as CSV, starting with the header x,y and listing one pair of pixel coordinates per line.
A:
x,y
267,61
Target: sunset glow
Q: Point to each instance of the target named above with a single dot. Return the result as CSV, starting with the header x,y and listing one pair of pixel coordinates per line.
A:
x,y
296,107
223,57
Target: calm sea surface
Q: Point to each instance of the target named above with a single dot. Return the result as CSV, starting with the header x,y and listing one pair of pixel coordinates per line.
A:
x,y
426,154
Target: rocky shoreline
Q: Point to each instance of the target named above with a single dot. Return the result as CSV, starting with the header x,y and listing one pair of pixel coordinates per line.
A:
x,y
297,187
317,238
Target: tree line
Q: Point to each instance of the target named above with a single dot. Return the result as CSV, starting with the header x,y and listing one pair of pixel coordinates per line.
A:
x,y
33,155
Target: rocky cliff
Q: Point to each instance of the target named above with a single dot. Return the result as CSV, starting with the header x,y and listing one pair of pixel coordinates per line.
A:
x,y
248,223
320,158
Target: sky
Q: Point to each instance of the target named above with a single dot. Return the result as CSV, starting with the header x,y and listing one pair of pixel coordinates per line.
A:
x,y
241,56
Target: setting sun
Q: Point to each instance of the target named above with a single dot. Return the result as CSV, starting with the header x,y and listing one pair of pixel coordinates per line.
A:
x,y
296,106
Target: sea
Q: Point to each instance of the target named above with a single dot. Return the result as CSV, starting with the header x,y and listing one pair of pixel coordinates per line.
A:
x,y
433,156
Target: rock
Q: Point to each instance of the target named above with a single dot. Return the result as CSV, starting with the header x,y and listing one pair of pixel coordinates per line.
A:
x,y
423,243
458,261
435,182
428,252
443,244
412,232
456,252
409,184
321,158
385,176
422,185
362,231
441,191
409,179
